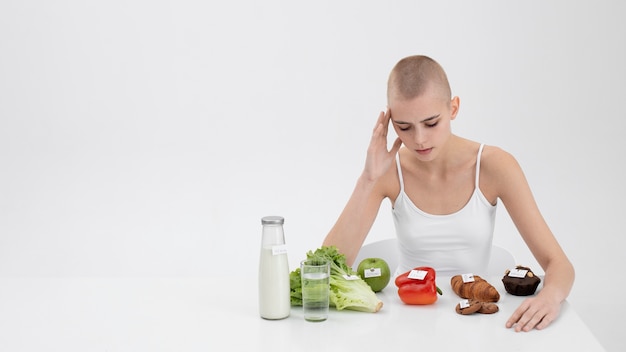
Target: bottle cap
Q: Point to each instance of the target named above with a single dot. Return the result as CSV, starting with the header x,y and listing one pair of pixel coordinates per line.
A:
x,y
272,220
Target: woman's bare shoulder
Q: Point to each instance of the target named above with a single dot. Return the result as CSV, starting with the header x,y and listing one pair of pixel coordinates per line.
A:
x,y
499,170
496,158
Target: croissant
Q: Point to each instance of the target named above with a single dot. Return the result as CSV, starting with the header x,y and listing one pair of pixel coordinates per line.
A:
x,y
479,289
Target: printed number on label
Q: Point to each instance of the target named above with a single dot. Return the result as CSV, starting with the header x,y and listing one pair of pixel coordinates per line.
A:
x,y
279,249
372,272
468,277
521,273
417,274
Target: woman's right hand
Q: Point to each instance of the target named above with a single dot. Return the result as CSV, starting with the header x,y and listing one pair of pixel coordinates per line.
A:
x,y
359,214
379,159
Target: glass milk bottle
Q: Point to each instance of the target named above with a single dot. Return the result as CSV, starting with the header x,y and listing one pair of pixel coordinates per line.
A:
x,y
274,293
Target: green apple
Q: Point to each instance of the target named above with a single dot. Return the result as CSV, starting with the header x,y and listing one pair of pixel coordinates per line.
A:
x,y
375,272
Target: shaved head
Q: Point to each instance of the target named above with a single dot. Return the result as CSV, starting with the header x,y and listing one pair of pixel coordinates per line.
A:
x,y
414,75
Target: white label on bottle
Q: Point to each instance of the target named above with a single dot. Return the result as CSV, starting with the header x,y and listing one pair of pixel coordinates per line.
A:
x,y
468,277
464,303
417,274
279,249
351,277
372,272
521,273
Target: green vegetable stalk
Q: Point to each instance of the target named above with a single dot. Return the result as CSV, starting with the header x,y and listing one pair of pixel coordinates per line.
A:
x,y
347,289
295,283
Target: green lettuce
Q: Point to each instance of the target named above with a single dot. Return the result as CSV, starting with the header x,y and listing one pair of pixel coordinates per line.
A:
x,y
347,289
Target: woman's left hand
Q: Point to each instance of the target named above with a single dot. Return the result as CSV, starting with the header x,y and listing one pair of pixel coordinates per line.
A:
x,y
534,313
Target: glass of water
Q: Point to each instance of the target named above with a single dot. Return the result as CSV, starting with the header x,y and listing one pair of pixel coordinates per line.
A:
x,y
315,289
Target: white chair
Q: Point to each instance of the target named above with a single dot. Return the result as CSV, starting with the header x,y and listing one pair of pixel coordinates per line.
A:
x,y
500,260
387,249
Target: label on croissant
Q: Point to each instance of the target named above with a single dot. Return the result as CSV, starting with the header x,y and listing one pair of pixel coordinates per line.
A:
x,y
464,303
520,273
467,277
417,274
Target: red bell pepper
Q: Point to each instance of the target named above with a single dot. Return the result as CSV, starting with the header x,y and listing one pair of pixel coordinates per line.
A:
x,y
418,286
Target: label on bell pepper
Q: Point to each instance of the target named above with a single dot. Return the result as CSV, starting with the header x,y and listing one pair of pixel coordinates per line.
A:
x,y
464,303
372,272
467,277
279,249
417,274
520,273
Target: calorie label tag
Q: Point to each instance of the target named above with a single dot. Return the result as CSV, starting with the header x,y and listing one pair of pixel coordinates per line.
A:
x,y
467,277
464,303
372,272
417,274
520,273
279,249
351,277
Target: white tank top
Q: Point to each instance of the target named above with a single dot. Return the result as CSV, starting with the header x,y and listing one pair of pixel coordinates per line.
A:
x,y
452,244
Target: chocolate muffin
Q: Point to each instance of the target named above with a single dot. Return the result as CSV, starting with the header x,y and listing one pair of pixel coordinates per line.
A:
x,y
520,281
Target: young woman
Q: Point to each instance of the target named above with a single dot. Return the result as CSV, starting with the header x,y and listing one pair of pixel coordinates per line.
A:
x,y
444,190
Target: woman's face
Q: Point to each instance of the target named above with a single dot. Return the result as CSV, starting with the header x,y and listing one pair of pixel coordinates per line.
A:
x,y
423,123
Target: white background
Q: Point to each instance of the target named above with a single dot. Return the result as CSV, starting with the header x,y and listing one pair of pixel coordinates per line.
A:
x,y
148,138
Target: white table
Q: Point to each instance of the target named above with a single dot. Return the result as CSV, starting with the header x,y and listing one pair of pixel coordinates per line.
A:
x,y
221,314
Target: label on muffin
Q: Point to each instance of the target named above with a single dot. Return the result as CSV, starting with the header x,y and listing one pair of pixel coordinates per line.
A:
x,y
520,273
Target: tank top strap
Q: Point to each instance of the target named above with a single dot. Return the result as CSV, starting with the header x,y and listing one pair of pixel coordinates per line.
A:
x,y
399,172
480,152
